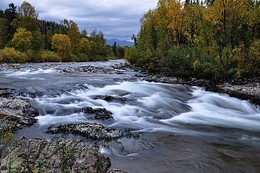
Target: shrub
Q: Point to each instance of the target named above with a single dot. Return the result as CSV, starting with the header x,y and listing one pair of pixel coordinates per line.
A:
x,y
248,62
49,56
177,62
131,55
82,57
33,56
10,55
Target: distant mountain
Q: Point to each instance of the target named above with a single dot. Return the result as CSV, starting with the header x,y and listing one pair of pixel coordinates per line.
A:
x,y
121,43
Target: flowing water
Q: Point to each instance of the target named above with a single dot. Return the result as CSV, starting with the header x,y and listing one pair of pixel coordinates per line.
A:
x,y
181,128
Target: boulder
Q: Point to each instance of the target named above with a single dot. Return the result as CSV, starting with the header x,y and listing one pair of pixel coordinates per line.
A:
x,y
89,130
110,98
18,111
70,155
100,113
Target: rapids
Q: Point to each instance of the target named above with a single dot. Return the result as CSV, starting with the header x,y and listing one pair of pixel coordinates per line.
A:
x,y
181,128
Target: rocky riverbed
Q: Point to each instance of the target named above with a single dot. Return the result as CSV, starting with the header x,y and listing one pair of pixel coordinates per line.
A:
x,y
142,122
69,155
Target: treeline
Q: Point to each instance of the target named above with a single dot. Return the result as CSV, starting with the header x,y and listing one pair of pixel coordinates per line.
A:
x,y
206,39
25,38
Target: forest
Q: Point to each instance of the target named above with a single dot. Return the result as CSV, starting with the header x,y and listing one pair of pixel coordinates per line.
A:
x,y
25,38
212,39
217,39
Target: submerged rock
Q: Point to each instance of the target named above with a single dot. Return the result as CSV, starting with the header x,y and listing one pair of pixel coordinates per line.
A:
x,y
110,98
69,155
89,130
6,92
100,113
14,110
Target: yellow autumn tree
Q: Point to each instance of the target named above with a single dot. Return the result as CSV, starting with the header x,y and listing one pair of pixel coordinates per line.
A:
x,y
74,36
62,45
22,39
176,15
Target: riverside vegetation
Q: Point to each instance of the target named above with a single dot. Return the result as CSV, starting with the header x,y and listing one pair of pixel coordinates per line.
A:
x,y
25,38
212,39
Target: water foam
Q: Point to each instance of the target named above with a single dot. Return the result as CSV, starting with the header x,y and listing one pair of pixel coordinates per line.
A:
x,y
219,110
153,107
27,73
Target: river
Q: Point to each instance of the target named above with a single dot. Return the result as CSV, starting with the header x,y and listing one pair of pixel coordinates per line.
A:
x,y
179,128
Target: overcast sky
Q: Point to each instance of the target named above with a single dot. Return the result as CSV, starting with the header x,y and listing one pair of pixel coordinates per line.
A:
x,y
115,18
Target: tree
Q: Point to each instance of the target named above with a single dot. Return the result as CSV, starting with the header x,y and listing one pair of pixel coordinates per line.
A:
x,y
98,36
84,33
22,39
114,47
176,15
85,46
134,39
64,26
27,10
27,17
48,39
3,32
7,29
74,36
38,41
62,45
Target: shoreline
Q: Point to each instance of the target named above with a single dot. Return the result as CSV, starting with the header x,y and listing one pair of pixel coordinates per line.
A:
x,y
247,89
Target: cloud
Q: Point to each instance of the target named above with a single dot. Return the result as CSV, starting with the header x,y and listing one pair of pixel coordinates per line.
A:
x,y
115,18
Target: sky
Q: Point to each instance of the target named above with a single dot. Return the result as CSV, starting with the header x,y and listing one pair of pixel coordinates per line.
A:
x,y
115,18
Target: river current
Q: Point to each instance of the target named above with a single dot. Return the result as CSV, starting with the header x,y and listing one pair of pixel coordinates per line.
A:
x,y
180,128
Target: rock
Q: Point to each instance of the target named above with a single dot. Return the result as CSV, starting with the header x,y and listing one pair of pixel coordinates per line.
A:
x,y
89,130
116,171
17,110
70,155
244,92
100,113
6,92
110,98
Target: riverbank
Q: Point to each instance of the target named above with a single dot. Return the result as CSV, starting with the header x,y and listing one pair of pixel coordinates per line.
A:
x,y
245,89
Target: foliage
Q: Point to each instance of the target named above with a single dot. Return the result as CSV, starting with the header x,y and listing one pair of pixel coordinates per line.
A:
x,y
131,55
22,39
85,46
62,45
23,30
10,55
49,56
74,36
217,39
26,18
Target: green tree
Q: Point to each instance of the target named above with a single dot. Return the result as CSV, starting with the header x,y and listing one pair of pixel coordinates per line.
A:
x,y
22,39
7,29
84,33
3,32
114,47
38,41
85,46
